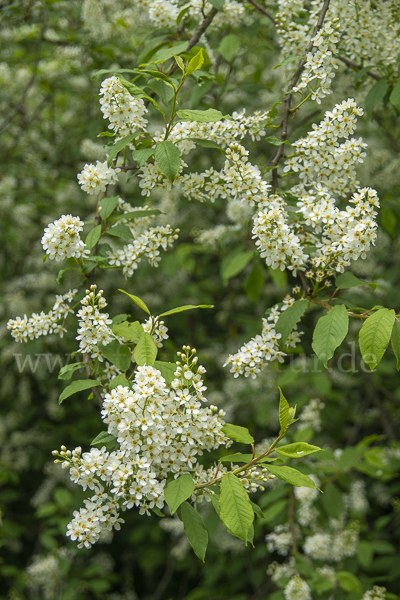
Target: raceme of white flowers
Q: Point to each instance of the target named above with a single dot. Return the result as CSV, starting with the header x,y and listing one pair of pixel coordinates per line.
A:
x,y
61,239
160,430
124,112
43,323
260,350
93,324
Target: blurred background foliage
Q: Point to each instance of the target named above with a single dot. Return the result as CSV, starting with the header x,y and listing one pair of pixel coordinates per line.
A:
x,y
49,120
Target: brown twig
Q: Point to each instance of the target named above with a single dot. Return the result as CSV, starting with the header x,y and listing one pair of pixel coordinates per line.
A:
x,y
288,99
263,10
354,65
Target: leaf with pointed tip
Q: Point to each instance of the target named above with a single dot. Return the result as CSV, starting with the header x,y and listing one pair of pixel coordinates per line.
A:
x,y
297,449
329,333
108,205
77,386
137,301
288,319
292,476
283,412
67,371
117,354
237,433
194,528
183,308
93,237
236,511
178,490
375,335
128,331
118,146
202,116
146,350
349,280
168,158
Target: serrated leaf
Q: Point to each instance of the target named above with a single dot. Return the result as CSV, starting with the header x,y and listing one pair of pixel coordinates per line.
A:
x,y
108,205
395,95
118,146
297,449
194,528
146,350
103,438
375,334
228,46
117,354
196,63
128,331
121,231
348,280
119,380
166,369
202,116
67,371
329,333
234,263
292,476
168,158
288,319
77,386
142,156
375,96
283,412
395,339
93,237
236,511
237,433
178,490
137,301
184,308
218,4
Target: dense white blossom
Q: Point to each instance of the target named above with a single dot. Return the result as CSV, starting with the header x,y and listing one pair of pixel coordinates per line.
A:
x,y
124,112
297,589
61,239
93,325
280,540
94,179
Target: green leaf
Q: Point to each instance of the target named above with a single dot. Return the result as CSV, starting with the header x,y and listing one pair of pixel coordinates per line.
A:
x,y
257,510
137,301
183,308
143,155
77,386
119,318
118,146
395,95
218,4
389,220
108,205
348,582
103,438
229,45
177,491
196,62
93,237
119,380
167,53
292,476
128,331
254,282
329,333
278,277
202,116
348,280
182,13
288,60
194,529
207,144
137,92
395,339
168,158
139,214
106,134
332,501
272,139
166,369
162,89
288,319
117,354
375,334
67,371
375,96
236,511
284,412
238,434
121,231
178,59
234,263
146,350
297,449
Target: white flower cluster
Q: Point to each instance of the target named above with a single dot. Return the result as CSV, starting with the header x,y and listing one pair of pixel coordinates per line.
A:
x,y
280,570
377,593
253,355
44,574
332,547
297,589
124,112
61,239
145,246
358,497
275,238
163,13
320,63
136,226
346,234
310,415
159,330
307,513
43,323
160,430
94,179
280,540
93,324
320,158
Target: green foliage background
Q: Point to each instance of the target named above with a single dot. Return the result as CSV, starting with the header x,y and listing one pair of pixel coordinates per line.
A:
x,y
47,58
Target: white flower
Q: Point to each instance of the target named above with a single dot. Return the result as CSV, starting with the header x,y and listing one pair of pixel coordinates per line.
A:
x,y
61,239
